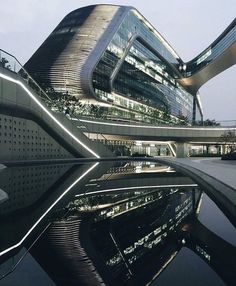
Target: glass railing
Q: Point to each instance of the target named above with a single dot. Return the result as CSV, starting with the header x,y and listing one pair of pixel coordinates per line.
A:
x,y
10,63
223,42
67,106
75,112
199,124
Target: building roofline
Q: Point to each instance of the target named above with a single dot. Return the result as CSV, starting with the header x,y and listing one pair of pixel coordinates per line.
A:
x,y
218,39
167,44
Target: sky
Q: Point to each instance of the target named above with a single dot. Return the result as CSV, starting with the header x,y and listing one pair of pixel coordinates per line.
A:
x,y
189,26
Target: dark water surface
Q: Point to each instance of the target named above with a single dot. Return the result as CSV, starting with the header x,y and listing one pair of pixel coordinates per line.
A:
x,y
135,223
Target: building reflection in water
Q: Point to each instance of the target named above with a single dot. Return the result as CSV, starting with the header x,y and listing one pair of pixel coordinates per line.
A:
x,y
121,226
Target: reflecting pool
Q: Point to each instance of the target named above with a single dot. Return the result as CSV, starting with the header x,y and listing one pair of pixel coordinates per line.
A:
x,y
112,223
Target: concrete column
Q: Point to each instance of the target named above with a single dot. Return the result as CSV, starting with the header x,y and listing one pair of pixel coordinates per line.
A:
x,y
182,150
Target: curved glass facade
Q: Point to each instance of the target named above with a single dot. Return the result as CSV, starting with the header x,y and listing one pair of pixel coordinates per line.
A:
x,y
137,73
110,62
223,42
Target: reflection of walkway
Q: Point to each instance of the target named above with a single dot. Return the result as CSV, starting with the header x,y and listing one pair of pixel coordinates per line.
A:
x,y
215,251
19,229
216,177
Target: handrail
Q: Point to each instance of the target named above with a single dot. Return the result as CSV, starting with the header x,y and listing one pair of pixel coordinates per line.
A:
x,y
223,42
11,63
217,124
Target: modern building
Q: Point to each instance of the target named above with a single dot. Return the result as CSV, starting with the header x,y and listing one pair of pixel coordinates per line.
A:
x,y
117,65
103,63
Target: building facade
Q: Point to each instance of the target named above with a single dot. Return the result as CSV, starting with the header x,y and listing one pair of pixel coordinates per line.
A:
x,y
112,63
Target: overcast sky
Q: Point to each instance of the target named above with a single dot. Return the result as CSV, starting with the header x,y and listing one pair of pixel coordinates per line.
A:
x,y
188,25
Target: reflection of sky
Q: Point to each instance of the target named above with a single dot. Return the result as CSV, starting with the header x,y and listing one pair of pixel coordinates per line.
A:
x,y
28,271
221,226
188,269
189,26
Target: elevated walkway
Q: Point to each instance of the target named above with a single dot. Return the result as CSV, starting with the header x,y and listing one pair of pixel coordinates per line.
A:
x,y
210,70
18,99
216,177
117,130
219,56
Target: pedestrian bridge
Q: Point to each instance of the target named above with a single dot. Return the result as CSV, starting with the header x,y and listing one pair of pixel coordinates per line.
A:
x,y
216,58
117,130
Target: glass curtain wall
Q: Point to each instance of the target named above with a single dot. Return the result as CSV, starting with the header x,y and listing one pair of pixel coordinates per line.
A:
x,y
143,67
211,53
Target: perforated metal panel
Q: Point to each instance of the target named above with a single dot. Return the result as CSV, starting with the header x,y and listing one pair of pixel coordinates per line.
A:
x,y
23,139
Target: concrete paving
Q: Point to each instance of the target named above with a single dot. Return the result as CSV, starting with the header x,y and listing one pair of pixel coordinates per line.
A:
x,y
217,178
223,171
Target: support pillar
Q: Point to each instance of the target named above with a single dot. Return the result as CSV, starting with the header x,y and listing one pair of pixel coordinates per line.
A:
x,y
182,150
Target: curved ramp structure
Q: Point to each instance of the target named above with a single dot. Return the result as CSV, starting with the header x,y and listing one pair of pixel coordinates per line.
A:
x,y
30,130
219,56
114,130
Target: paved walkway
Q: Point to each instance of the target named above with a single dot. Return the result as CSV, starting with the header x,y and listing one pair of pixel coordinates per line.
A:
x,y
223,171
216,177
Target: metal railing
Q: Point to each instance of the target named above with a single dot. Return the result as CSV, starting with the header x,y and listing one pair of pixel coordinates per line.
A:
x,y
11,63
225,123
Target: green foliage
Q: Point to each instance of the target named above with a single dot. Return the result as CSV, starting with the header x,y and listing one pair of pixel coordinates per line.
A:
x,y
183,120
4,62
229,138
207,122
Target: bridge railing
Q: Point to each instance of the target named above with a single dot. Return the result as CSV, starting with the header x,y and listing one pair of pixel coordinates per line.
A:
x,y
119,121
11,63
226,123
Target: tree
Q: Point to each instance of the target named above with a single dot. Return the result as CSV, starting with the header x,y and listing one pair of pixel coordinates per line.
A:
x,y
209,122
166,115
4,61
229,139
183,120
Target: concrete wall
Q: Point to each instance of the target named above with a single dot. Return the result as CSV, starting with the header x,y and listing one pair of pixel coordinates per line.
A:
x,y
16,105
